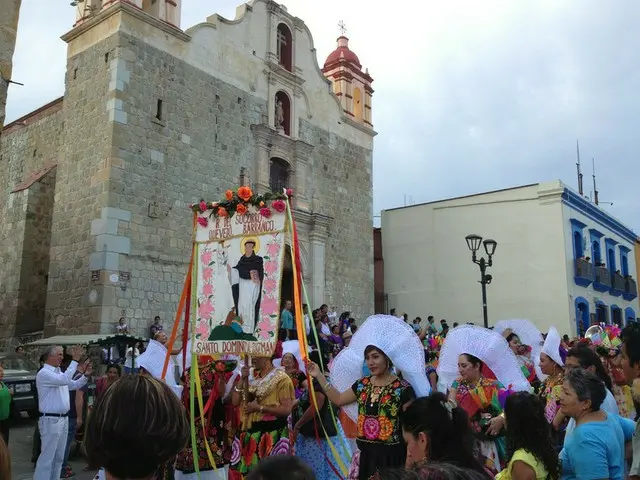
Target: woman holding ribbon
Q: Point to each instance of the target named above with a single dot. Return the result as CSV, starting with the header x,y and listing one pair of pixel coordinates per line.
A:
x,y
468,352
381,396
265,395
209,425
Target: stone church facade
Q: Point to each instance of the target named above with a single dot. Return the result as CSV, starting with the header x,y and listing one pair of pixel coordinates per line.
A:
x,y
95,219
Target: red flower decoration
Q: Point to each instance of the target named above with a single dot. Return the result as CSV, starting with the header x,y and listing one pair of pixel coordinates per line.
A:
x,y
265,212
289,192
249,450
279,205
203,205
203,222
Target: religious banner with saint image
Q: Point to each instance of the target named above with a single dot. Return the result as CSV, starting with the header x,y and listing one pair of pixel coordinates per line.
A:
x,y
239,254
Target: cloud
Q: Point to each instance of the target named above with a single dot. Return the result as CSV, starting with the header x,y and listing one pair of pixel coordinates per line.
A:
x,y
469,96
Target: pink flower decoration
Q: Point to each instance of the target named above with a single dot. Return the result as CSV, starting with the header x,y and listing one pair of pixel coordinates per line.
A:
x,y
202,329
203,205
371,428
269,285
269,305
205,310
279,206
207,290
289,192
270,268
203,222
273,249
264,334
207,274
283,447
206,257
265,212
264,327
235,451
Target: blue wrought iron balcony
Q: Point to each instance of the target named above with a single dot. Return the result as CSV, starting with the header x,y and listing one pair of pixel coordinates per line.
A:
x,y
630,289
583,272
617,285
602,281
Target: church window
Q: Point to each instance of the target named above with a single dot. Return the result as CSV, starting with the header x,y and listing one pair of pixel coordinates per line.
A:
x,y
159,110
357,103
278,175
285,47
282,113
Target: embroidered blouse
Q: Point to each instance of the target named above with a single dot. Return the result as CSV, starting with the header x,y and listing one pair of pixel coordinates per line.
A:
x,y
379,409
550,392
269,391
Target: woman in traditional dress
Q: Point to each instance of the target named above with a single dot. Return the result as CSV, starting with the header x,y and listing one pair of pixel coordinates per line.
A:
x,y
611,358
265,395
292,368
431,361
212,379
552,364
317,435
381,396
466,353
525,341
336,341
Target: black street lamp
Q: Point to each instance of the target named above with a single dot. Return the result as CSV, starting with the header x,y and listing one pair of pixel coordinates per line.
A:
x,y
473,242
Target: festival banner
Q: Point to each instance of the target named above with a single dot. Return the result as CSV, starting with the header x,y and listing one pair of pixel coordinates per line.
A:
x,y
240,244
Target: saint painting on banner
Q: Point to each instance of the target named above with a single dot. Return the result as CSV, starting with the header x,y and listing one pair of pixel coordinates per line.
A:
x,y
246,284
237,275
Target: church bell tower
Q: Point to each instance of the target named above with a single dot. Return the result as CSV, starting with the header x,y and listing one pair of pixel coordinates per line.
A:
x,y
351,84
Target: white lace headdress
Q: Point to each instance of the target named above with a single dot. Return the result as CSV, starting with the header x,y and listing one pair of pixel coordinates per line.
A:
x,y
486,345
551,346
529,335
397,340
152,360
292,347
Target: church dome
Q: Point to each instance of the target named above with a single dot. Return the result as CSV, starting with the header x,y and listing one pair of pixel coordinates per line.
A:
x,y
342,51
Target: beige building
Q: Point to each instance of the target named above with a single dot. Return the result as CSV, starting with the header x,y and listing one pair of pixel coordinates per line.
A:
x,y
560,260
95,219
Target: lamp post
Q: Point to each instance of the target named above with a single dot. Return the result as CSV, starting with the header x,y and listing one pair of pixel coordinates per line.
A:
x,y
473,242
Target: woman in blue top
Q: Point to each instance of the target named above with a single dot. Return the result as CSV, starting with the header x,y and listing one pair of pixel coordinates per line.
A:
x,y
596,449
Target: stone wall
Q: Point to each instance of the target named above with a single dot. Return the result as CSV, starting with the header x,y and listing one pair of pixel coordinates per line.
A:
x,y
26,146
194,150
82,191
341,186
35,255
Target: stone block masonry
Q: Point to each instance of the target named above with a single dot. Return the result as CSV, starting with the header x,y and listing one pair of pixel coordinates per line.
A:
x,y
341,186
26,146
142,134
74,301
186,137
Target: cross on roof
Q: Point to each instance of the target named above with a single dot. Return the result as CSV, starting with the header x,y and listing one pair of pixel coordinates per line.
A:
x,y
342,27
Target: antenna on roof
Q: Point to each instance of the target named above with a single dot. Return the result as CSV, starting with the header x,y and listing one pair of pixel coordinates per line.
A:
x,y
580,189
595,189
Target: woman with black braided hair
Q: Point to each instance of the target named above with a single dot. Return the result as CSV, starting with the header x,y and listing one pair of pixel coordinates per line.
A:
x,y
530,450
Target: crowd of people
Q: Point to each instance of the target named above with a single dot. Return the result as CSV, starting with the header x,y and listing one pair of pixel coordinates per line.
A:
x,y
380,401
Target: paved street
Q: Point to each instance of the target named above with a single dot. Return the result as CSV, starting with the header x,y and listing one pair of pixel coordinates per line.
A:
x,y
20,441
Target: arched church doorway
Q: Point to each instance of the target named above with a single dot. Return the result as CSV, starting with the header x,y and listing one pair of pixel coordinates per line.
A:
x,y
286,287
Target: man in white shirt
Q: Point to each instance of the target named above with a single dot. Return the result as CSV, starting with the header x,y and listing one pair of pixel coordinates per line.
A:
x,y
53,401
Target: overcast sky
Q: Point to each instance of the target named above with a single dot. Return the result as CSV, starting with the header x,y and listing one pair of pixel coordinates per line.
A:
x,y
469,95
